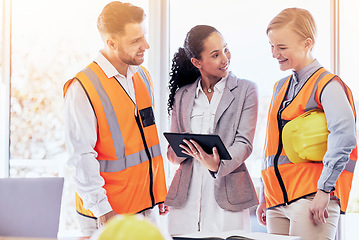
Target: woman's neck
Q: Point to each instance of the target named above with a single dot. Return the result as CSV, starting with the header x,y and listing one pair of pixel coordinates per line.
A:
x,y
307,61
208,84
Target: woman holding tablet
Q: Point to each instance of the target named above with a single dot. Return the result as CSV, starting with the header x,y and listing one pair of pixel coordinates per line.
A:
x,y
208,194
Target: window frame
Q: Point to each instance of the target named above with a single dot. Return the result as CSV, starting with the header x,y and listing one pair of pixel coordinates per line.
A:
x,y
5,90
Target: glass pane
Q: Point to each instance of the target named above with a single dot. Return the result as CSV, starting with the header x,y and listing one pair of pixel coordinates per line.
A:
x,y
52,41
349,50
243,25
1,40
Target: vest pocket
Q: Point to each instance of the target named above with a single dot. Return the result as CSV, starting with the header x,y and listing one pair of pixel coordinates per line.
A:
x,y
147,117
238,188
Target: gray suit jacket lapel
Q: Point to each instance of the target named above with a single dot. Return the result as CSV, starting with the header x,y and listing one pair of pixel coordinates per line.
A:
x,y
227,98
186,105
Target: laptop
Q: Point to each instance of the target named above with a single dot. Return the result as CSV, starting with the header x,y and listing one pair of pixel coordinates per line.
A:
x,y
30,207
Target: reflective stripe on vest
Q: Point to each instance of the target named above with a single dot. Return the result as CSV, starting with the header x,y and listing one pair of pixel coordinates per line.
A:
x,y
312,104
145,79
350,166
281,160
109,111
129,161
284,181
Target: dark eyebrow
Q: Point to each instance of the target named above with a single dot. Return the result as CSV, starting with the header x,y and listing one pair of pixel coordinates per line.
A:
x,y
217,50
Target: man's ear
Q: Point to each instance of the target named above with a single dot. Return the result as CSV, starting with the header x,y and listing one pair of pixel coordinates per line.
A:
x,y
196,62
110,43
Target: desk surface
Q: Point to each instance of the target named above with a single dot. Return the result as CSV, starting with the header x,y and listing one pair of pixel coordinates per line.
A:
x,y
60,238
253,235
24,238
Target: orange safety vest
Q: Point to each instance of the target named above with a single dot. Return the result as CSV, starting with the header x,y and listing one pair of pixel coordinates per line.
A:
x,y
127,144
285,182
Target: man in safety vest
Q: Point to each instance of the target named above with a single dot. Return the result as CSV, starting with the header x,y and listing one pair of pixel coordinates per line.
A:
x,y
111,135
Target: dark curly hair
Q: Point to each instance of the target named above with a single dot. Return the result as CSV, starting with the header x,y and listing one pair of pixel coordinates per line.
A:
x,y
183,72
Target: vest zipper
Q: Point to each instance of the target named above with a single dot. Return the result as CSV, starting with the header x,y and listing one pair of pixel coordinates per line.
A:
x,y
149,158
280,148
276,169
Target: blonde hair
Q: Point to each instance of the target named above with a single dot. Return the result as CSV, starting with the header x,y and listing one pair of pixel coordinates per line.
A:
x,y
301,21
116,15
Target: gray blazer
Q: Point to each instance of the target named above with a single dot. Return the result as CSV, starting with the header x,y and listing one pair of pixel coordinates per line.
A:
x,y
235,123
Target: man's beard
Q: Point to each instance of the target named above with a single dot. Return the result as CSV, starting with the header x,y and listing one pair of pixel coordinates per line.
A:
x,y
132,61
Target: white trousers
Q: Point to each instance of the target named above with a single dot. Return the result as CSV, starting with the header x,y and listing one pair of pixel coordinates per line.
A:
x,y
201,212
89,225
293,220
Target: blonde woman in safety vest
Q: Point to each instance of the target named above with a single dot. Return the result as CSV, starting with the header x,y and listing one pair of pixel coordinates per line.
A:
x,y
111,134
305,198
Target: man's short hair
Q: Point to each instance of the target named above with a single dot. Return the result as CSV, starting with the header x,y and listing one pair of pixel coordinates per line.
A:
x,y
116,15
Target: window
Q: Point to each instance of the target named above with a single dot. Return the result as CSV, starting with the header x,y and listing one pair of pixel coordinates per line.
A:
x,y
51,42
243,25
349,50
4,86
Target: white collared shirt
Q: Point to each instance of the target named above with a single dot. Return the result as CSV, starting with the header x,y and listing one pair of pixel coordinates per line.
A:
x,y
203,113
81,138
111,71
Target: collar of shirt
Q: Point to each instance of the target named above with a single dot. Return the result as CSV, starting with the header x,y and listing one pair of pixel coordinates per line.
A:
x,y
110,70
304,73
218,87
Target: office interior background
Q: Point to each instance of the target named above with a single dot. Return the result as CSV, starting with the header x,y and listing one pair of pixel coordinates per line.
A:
x,y
46,42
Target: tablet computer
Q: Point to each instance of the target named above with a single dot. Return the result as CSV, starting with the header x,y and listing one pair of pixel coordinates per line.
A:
x,y
206,141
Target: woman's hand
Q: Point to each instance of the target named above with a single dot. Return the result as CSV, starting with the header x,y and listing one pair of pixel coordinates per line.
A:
x,y
318,208
163,209
210,161
261,214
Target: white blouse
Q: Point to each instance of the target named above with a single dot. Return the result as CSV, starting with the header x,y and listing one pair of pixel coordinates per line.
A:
x,y
201,213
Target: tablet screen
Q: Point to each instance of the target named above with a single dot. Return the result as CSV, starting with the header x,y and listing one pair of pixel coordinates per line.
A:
x,y
206,141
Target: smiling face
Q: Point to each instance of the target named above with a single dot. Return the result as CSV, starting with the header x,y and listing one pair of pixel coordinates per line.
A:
x,y
130,47
215,58
291,50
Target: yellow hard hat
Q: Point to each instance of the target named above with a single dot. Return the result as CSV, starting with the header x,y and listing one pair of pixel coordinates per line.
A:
x,y
130,227
305,137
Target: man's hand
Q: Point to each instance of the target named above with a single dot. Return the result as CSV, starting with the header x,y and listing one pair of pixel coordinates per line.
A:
x,y
261,214
163,209
318,208
104,218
